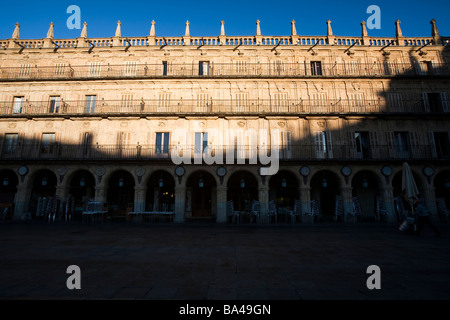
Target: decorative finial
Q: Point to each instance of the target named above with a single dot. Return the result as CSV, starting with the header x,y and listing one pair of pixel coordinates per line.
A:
x,y
258,28
50,33
16,33
329,30
434,29
118,29
364,29
84,31
187,33
293,30
152,29
222,28
398,30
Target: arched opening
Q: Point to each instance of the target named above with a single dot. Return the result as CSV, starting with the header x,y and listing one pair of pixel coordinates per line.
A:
x,y
325,188
43,199
242,189
8,189
82,190
120,196
283,189
366,187
201,195
442,191
160,192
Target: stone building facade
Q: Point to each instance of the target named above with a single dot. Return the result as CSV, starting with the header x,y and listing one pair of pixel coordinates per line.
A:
x,y
190,123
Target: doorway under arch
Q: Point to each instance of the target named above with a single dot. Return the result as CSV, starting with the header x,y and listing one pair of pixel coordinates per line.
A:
x,y
201,197
366,186
120,196
324,188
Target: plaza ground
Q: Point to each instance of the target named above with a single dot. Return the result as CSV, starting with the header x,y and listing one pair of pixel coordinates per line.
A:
x,y
208,261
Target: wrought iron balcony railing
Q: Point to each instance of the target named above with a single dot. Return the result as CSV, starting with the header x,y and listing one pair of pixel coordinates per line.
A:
x,y
320,105
133,70
294,152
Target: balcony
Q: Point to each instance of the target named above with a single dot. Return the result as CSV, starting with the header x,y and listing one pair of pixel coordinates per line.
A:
x,y
296,152
213,107
220,70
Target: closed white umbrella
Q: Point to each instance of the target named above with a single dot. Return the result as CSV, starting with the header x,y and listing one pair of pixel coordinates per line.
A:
x,y
409,185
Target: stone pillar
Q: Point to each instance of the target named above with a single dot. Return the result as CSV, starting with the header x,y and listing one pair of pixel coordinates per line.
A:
x,y
391,215
100,193
346,193
305,196
140,193
21,201
429,198
263,196
222,204
180,202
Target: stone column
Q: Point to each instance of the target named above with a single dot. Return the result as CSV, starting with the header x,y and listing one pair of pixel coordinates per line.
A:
x,y
388,195
305,196
221,204
263,196
429,198
140,193
180,201
21,201
100,193
346,193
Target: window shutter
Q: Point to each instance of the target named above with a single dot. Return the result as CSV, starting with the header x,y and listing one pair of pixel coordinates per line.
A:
x,y
432,144
445,102
329,144
373,135
426,101
414,144
390,143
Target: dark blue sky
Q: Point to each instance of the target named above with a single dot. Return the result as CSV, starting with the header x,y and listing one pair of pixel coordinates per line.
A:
x,y
239,16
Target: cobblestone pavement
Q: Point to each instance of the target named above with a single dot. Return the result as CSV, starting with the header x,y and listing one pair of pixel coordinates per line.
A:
x,y
205,261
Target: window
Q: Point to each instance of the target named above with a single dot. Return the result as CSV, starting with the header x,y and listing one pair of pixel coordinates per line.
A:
x,y
11,141
319,102
241,102
127,102
201,142
357,102
280,102
322,140
94,69
164,102
18,104
162,143
54,104
60,69
90,104
25,70
285,145
316,68
436,101
48,143
362,145
402,145
86,142
164,63
440,144
279,67
202,102
241,67
203,68
395,101
130,68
